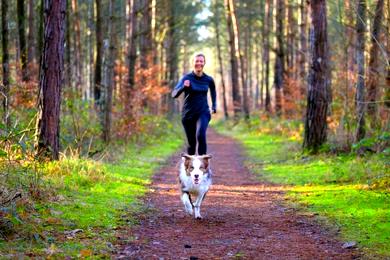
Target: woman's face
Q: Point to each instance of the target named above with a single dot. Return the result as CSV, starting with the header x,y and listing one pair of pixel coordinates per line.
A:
x,y
199,64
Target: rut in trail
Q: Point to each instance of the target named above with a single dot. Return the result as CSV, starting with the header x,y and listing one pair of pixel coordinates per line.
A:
x,y
242,218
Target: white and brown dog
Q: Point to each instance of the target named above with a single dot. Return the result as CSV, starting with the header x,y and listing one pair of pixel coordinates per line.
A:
x,y
195,179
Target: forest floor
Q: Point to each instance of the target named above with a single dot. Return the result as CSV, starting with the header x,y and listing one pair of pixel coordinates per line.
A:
x,y
243,218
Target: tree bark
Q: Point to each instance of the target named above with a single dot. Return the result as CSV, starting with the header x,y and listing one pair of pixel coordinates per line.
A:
x,y
132,48
31,32
241,60
318,82
172,55
22,38
77,44
146,45
5,64
109,76
387,86
259,87
41,29
90,52
279,60
350,49
68,64
289,92
49,99
360,88
303,51
233,60
99,57
373,65
267,46
220,60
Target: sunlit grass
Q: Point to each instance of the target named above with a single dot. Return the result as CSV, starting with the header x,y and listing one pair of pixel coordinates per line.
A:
x,y
350,191
363,215
94,196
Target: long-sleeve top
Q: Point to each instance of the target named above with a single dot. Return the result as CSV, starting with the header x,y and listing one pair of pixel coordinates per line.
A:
x,y
195,96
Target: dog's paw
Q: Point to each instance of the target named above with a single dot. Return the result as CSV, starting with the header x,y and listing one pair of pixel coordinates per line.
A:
x,y
197,213
198,216
190,211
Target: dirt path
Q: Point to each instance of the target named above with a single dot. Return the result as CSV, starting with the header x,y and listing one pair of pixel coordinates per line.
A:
x,y
243,219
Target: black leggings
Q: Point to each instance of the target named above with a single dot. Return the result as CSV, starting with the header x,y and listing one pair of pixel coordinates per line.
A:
x,y
195,129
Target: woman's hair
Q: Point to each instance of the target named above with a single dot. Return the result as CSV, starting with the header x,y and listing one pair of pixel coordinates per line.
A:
x,y
200,54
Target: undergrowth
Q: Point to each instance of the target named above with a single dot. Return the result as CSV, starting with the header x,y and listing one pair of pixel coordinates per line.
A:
x,y
350,190
72,207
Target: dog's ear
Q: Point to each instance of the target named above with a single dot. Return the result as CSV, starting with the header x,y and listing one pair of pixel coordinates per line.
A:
x,y
187,160
206,156
186,156
206,159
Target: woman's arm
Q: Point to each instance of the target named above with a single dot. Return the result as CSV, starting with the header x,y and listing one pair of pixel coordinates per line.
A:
x,y
179,88
213,96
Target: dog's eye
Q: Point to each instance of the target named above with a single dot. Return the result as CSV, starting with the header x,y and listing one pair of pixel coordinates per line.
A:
x,y
191,168
203,169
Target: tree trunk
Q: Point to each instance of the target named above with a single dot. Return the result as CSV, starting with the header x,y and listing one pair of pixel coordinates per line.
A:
x,y
373,64
77,44
68,64
267,46
220,60
279,60
387,86
132,48
318,81
350,48
348,65
109,76
259,84
241,61
146,45
145,35
31,32
290,93
303,51
99,54
40,30
22,38
5,64
360,88
172,55
49,99
90,52
233,60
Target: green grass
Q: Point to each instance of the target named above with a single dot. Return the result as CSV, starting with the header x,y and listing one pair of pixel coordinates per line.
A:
x,y
351,192
363,215
97,197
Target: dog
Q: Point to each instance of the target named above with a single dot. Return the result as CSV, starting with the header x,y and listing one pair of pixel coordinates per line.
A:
x,y
195,178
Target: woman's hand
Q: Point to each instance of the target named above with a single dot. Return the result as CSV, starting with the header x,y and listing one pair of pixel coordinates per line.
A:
x,y
187,83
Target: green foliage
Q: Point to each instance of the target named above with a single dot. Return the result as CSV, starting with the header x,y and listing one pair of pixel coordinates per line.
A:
x,y
80,128
83,201
373,144
361,214
352,192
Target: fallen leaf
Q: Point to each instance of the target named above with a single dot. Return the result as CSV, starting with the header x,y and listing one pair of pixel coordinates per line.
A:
x,y
51,220
85,252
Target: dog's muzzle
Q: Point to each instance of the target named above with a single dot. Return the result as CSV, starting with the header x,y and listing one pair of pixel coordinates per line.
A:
x,y
196,178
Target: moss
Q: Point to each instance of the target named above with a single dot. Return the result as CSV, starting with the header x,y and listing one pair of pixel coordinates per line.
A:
x,y
350,191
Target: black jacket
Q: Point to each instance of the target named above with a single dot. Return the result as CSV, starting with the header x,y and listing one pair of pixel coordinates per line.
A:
x,y
195,96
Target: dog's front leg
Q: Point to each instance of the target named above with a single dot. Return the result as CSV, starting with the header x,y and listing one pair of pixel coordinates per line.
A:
x,y
197,204
185,198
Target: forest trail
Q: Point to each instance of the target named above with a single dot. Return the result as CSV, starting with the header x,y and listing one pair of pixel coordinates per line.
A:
x,y
242,219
